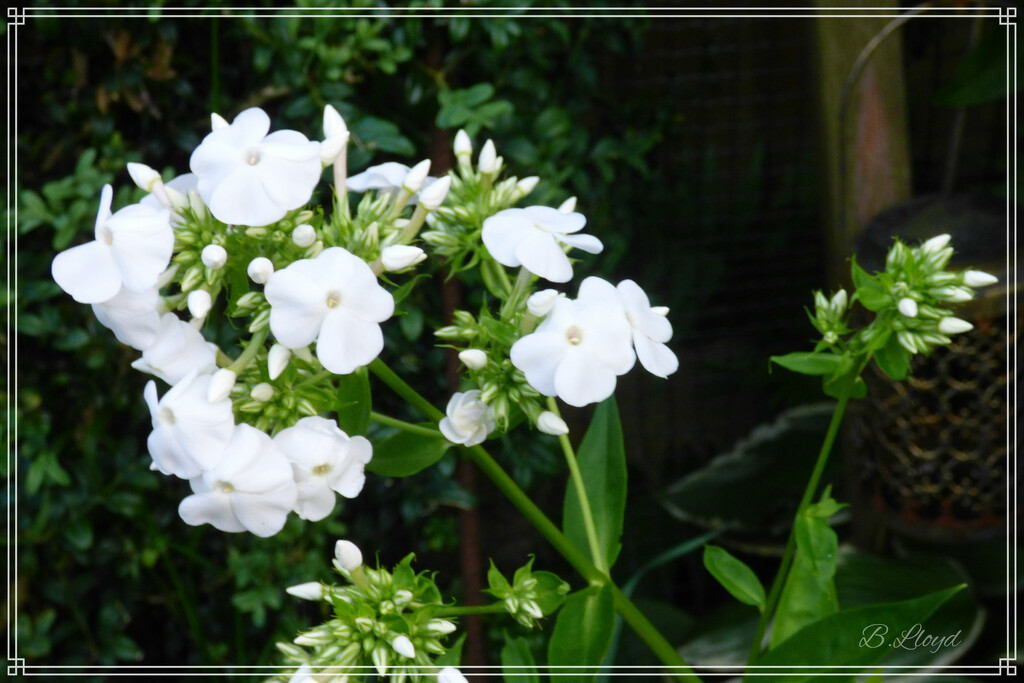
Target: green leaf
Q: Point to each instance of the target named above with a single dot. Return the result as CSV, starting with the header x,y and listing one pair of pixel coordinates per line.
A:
x,y
869,291
602,461
809,363
849,638
517,661
833,386
735,576
583,632
550,591
403,453
453,657
893,359
810,592
354,402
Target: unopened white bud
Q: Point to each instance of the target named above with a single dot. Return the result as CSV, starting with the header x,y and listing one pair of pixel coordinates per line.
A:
x,y
549,423
401,256
217,122
313,590
220,385
143,176
199,303
951,325
439,627
348,555
463,145
166,276
488,161
450,675
403,646
432,196
260,269
660,310
303,235
532,609
977,278
953,294
335,135
527,185
214,256
197,205
839,301
935,244
277,360
474,359
568,206
416,176
908,307
541,303
262,392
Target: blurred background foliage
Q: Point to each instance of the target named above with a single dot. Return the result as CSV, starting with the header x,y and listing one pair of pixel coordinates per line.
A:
x,y
690,146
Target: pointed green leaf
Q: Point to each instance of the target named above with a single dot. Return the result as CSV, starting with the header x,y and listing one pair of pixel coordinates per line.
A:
x,y
853,637
809,363
404,453
517,661
354,402
602,461
893,359
583,632
735,576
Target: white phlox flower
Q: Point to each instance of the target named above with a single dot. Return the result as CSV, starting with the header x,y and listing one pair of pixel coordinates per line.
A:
x,y
580,348
387,177
189,433
133,317
247,177
533,238
651,330
132,248
178,349
249,488
324,460
469,420
335,300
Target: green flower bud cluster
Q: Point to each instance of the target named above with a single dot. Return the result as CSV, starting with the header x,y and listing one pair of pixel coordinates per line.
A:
x,y
830,316
530,596
383,619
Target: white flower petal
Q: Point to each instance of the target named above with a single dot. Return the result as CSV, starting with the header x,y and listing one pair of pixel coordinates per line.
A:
x,y
264,513
538,356
132,317
540,253
347,342
213,508
587,243
656,357
297,307
87,272
580,382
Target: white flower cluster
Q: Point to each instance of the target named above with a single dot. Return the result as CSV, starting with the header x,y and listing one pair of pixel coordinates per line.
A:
x,y
242,478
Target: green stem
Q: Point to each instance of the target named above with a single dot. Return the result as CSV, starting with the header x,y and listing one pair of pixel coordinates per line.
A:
x,y
251,349
521,286
404,426
805,501
581,493
559,541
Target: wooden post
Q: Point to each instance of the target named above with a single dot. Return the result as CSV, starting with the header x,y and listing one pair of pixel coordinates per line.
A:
x,y
866,153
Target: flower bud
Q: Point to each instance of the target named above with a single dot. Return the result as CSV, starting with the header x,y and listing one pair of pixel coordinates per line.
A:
x,y
953,294
313,590
951,325
527,185
908,307
401,256
541,303
488,161
549,423
568,206
432,196
262,392
199,303
217,122
260,269
403,646
451,675
439,627
214,256
335,135
348,555
416,176
660,310
303,235
474,359
532,609
379,657
197,205
220,385
935,244
463,145
977,278
143,176
277,360
839,301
